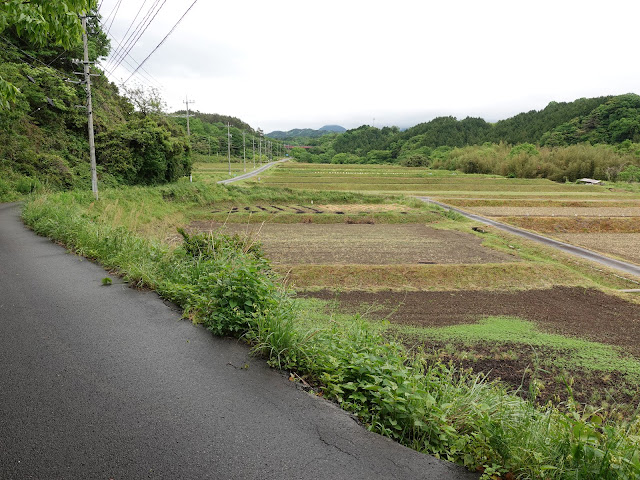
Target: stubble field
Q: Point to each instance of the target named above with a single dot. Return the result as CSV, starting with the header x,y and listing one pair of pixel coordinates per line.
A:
x,y
487,301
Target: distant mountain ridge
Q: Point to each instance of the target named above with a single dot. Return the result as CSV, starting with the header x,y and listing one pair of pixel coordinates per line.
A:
x,y
306,132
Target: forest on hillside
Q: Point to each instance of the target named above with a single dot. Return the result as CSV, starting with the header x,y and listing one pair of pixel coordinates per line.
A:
x,y
594,137
43,125
43,119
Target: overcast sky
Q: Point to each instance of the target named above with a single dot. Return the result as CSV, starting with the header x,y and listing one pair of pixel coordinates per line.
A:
x,y
300,64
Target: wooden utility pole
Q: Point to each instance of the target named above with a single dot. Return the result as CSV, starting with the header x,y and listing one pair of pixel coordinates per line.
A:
x,y
87,80
253,141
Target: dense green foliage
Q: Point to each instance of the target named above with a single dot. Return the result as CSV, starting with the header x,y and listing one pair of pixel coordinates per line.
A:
x,y
225,284
43,133
615,121
569,163
41,22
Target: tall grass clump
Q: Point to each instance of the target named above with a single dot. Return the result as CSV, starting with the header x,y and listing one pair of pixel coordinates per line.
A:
x,y
225,283
604,162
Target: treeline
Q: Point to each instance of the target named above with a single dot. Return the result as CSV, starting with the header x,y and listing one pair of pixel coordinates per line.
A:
x,y
597,137
209,137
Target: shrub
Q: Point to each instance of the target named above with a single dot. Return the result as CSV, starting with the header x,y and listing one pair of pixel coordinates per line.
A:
x,y
630,174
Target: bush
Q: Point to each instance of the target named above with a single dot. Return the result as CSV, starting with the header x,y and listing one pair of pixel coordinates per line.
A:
x,y
630,174
143,152
415,160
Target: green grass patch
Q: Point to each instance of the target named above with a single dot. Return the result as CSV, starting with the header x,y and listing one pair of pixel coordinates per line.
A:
x,y
507,330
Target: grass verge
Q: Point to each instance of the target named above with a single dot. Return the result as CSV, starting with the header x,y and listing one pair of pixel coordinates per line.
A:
x,y
225,283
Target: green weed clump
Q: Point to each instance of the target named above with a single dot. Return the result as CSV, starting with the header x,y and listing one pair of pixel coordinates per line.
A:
x,y
227,285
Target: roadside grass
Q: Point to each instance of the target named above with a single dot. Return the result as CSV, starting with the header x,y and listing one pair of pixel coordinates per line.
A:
x,y
224,283
157,211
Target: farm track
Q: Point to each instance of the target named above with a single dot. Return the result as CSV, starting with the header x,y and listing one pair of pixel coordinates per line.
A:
x,y
625,267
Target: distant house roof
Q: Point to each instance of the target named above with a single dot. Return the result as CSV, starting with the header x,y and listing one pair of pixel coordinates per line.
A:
x,y
589,181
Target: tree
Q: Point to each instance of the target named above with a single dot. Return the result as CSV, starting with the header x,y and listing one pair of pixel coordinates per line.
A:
x,y
41,22
146,100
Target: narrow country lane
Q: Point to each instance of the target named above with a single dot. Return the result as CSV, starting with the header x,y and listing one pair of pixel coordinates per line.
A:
x,y
620,265
253,173
106,382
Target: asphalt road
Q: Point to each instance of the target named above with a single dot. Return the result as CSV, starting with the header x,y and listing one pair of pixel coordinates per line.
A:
x,y
106,382
253,173
619,265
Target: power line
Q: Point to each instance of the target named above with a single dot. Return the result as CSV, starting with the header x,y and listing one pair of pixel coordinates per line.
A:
x,y
150,78
162,41
133,36
60,75
111,12
132,41
133,21
115,15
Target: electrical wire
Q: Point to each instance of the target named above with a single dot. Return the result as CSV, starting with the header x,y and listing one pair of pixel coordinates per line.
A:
x,y
162,41
148,77
114,16
109,16
126,42
60,75
141,28
133,21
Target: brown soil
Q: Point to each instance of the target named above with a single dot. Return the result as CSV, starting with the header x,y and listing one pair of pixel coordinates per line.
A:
x,y
517,367
578,312
348,244
584,313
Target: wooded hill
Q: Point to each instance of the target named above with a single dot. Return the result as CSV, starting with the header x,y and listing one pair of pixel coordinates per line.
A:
x,y
43,132
609,125
304,133
43,126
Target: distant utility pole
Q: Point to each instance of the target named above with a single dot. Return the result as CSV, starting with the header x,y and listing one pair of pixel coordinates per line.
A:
x,y
253,141
187,102
87,80
229,146
260,148
244,151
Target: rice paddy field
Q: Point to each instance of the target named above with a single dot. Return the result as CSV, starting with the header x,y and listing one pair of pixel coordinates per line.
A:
x,y
485,300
